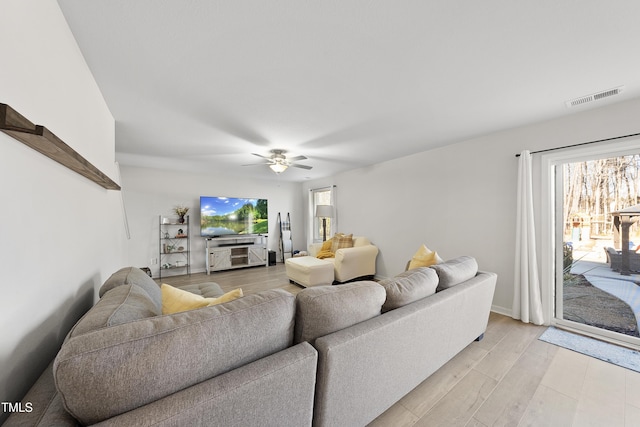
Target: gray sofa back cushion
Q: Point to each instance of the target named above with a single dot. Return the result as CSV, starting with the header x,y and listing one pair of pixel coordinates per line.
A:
x,y
133,276
409,286
123,304
112,370
455,271
321,310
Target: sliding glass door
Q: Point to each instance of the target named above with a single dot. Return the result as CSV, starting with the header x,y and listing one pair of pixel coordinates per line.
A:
x,y
592,294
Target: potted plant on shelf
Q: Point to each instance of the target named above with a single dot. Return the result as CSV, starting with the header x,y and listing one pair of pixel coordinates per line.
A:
x,y
181,211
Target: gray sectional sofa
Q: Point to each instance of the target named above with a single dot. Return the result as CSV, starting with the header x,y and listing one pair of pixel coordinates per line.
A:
x,y
126,364
326,357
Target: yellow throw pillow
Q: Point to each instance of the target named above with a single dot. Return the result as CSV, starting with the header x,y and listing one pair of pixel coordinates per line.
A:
x,y
175,300
424,257
229,296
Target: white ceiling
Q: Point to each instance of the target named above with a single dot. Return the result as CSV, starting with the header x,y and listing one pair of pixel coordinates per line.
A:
x,y
201,84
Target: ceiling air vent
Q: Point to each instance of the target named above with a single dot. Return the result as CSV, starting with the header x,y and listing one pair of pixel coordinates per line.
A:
x,y
594,97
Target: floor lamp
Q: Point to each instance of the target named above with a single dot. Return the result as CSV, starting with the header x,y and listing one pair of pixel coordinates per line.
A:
x,y
324,212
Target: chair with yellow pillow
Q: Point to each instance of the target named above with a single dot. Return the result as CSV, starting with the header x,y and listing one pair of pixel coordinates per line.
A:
x,y
353,257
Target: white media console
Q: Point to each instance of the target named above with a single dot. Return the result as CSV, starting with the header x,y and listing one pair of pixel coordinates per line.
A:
x,y
224,253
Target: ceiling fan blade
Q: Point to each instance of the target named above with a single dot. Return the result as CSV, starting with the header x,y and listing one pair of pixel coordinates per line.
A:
x,y
260,155
258,164
295,159
295,165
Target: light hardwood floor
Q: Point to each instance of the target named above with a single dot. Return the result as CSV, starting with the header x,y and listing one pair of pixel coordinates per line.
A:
x,y
510,378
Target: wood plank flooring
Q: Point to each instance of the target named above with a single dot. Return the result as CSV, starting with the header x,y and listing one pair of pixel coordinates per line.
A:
x,y
251,279
510,378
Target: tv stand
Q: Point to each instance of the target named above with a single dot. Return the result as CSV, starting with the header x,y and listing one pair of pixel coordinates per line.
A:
x,y
225,253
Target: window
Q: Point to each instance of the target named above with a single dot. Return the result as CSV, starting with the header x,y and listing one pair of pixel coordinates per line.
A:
x,y
321,196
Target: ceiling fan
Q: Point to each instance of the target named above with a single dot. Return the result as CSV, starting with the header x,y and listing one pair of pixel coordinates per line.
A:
x,y
278,162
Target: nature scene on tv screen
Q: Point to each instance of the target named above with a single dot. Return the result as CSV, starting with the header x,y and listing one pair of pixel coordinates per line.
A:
x,y
220,216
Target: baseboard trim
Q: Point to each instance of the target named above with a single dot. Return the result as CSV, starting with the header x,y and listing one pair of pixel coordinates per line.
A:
x,y
501,310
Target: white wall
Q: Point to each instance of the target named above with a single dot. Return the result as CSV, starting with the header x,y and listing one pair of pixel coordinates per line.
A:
x,y
62,235
460,199
149,193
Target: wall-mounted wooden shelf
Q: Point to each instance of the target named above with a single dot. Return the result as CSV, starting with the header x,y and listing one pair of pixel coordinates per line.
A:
x,y
44,141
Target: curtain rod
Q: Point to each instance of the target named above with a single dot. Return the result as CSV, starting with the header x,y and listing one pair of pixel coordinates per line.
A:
x,y
322,188
582,143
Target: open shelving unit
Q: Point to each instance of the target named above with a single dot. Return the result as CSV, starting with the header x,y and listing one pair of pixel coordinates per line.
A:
x,y
174,248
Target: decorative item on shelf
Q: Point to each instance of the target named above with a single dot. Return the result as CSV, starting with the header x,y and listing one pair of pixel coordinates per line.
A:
x,y
166,265
179,264
324,212
170,248
180,248
181,211
166,221
166,235
180,234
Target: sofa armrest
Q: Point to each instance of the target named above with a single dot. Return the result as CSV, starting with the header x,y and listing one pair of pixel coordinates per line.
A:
x,y
358,261
172,352
276,390
357,252
46,406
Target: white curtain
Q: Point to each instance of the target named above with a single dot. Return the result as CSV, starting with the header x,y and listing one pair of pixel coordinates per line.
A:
x,y
527,305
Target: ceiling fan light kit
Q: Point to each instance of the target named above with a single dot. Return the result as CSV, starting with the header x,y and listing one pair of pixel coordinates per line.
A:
x,y
278,167
278,162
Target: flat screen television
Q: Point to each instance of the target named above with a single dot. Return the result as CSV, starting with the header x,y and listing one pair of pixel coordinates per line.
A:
x,y
228,216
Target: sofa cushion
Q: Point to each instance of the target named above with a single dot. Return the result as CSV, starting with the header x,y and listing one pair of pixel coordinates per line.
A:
x,y
122,304
409,286
133,276
322,310
360,241
455,271
207,289
116,369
